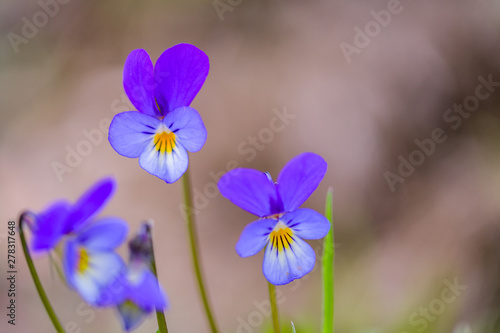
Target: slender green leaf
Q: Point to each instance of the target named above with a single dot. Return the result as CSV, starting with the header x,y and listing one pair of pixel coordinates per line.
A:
x,y
328,270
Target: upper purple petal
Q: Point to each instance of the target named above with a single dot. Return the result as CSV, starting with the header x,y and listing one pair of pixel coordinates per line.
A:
x,y
188,127
254,237
179,72
299,178
48,227
139,82
89,204
105,234
130,133
252,191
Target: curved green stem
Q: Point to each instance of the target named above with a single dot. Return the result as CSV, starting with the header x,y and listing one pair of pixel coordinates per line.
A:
x,y
274,307
36,279
160,315
193,240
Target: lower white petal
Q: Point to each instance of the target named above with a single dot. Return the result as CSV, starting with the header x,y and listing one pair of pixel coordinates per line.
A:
x,y
287,257
165,157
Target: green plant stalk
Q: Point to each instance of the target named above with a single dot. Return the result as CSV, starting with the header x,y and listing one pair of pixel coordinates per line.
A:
x,y
328,270
36,280
160,315
193,240
274,307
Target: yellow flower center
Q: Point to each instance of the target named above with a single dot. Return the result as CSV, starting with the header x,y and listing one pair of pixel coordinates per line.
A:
x,y
83,260
281,237
164,142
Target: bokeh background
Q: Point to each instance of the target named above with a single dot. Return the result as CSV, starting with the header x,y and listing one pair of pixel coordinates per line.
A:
x,y
361,106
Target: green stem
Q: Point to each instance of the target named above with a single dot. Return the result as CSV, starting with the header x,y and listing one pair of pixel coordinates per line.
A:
x,y
274,307
193,240
36,279
160,315
329,270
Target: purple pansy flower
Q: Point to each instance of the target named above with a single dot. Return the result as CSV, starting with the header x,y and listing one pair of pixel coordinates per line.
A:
x,y
282,225
165,128
89,260
142,293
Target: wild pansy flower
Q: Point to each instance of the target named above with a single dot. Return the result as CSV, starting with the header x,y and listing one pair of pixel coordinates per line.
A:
x,y
142,293
89,260
165,128
282,225
62,218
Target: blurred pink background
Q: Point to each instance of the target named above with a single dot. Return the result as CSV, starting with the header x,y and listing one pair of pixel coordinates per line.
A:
x,y
361,109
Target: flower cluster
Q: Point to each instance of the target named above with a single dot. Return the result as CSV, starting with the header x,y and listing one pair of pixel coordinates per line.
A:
x,y
161,133
90,264
166,127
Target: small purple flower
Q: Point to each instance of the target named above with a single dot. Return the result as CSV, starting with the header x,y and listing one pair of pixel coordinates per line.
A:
x,y
89,261
142,293
282,224
62,218
165,128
